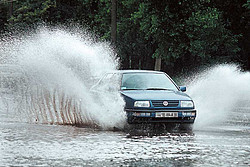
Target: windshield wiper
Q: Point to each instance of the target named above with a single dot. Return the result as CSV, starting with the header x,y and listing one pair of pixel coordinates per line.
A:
x,y
158,89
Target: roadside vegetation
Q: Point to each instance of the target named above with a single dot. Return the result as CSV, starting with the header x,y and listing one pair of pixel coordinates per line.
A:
x,y
177,36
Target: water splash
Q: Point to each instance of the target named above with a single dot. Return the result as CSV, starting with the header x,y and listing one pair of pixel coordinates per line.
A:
x,y
50,73
46,77
218,92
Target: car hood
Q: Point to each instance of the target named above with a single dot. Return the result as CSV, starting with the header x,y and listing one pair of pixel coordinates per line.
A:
x,y
155,95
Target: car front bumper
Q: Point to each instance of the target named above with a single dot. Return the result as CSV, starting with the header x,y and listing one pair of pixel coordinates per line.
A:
x,y
166,116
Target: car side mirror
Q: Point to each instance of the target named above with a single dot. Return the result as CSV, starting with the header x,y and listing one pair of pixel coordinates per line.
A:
x,y
183,88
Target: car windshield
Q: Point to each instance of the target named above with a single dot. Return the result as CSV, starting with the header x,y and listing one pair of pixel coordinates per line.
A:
x,y
150,81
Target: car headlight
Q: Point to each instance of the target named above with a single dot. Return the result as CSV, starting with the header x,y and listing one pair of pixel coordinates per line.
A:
x,y
141,104
187,104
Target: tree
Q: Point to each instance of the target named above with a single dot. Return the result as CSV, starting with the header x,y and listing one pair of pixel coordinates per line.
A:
x,y
3,14
185,28
26,13
209,39
236,15
113,21
176,34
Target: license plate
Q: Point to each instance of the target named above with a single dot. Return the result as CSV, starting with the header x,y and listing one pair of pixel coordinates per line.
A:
x,y
166,114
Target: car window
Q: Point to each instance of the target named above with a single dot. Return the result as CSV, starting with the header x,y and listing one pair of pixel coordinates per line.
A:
x,y
110,82
146,81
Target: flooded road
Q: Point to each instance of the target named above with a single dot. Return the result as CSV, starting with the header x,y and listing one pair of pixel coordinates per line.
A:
x,y
24,144
45,81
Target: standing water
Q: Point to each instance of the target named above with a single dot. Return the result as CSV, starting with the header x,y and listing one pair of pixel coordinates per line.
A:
x,y
45,81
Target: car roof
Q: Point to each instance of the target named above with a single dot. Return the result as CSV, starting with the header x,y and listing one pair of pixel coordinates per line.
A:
x,y
136,71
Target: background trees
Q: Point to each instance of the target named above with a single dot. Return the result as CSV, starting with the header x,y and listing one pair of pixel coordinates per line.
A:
x,y
182,34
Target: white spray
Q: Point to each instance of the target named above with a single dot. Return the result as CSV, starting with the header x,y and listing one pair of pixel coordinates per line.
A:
x,y
217,92
55,70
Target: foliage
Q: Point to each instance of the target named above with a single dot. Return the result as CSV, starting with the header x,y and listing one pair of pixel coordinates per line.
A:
x,y
208,36
236,15
182,28
183,33
27,12
3,15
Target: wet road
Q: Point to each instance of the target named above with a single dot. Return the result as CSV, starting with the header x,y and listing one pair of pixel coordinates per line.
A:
x,y
24,144
64,58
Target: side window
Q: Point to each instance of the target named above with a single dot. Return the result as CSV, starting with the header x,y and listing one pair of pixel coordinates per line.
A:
x,y
110,82
106,79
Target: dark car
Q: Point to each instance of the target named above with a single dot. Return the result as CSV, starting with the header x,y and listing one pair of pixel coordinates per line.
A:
x,y
153,97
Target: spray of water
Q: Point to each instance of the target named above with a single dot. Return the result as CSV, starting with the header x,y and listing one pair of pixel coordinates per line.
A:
x,y
46,77
217,92
50,74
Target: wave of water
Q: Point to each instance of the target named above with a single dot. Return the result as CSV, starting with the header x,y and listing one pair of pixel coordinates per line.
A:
x,y
219,91
49,74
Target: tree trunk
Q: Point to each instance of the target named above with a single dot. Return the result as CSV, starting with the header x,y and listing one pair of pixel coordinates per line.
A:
x,y
113,21
11,8
158,64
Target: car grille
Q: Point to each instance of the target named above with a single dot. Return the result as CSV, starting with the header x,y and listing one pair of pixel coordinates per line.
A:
x,y
159,103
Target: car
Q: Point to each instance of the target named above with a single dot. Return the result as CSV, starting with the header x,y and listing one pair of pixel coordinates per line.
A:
x,y
152,97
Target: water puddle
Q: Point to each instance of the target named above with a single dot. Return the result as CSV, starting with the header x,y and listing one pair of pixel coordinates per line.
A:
x,y
45,80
